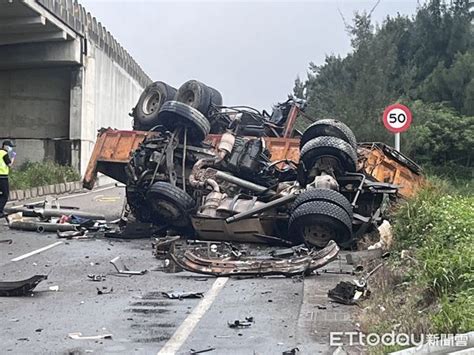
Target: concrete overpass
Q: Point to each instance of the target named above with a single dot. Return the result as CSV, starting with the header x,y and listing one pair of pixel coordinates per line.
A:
x,y
62,77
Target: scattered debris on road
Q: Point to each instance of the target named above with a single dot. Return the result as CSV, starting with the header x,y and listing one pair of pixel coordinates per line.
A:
x,y
79,336
104,290
291,351
386,237
347,293
257,266
193,352
34,225
350,293
22,287
181,295
96,278
82,234
6,241
69,223
241,324
123,270
162,246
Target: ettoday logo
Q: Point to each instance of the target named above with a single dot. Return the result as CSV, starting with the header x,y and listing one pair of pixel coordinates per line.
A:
x,y
401,339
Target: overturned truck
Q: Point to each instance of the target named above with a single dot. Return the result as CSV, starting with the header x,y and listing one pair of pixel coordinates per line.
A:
x,y
206,171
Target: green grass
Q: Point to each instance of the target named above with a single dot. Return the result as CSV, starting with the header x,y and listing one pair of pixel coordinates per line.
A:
x,y
461,178
431,290
40,174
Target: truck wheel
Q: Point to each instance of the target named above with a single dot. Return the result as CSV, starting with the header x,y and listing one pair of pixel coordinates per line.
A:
x,y
331,128
330,147
318,222
138,206
216,97
195,94
149,104
174,114
170,205
325,195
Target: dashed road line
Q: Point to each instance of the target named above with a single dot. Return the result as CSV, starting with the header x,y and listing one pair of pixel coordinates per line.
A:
x,y
37,251
186,328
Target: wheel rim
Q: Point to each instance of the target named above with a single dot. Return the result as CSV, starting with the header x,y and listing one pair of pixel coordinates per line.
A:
x,y
169,212
151,103
188,97
319,235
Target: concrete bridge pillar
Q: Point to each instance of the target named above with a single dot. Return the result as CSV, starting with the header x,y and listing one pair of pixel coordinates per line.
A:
x,y
62,78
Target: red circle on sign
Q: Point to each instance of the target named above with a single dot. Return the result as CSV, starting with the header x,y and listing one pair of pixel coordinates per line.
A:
x,y
397,118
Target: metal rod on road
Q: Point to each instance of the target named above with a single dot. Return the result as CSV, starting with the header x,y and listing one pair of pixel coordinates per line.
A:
x,y
58,212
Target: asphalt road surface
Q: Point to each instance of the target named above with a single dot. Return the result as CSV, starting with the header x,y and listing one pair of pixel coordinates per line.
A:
x,y
287,312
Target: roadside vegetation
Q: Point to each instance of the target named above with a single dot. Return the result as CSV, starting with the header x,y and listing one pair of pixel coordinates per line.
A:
x,y
39,174
426,62
427,286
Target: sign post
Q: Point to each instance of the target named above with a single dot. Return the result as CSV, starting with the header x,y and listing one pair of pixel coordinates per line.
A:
x,y
397,118
397,141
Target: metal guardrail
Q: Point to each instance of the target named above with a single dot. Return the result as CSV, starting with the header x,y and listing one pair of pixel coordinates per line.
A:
x,y
77,18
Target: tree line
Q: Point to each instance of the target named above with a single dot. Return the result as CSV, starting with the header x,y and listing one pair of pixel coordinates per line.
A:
x,y
425,61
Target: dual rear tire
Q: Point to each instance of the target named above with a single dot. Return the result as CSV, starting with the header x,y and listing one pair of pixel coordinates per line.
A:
x,y
320,215
149,104
327,144
195,95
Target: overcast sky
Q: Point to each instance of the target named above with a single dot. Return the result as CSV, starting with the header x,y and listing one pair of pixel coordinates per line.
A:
x,y
250,51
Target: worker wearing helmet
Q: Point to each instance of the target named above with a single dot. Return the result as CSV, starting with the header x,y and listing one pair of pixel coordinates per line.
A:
x,y
7,156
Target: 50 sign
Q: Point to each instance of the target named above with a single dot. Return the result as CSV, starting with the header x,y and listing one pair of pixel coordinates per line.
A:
x,y
397,118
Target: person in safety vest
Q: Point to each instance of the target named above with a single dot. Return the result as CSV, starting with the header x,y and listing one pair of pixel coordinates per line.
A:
x,y
7,156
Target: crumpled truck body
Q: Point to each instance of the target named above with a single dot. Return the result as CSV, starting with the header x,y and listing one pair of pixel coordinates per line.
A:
x,y
113,149
377,161
382,163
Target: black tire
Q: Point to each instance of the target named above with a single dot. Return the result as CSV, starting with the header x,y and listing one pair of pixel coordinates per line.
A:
x,y
195,94
317,222
138,205
216,97
170,205
174,114
334,147
326,195
331,128
149,104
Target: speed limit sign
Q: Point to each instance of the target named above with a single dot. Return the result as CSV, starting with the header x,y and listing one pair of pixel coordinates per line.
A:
x,y
397,118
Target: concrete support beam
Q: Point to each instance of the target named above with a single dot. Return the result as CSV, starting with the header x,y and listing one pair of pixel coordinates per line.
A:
x,y
20,24
32,37
56,22
40,54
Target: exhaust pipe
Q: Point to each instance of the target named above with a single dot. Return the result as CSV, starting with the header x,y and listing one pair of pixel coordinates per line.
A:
x,y
272,204
241,182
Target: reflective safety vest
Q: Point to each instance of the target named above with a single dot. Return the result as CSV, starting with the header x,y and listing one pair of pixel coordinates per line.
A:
x,y
4,169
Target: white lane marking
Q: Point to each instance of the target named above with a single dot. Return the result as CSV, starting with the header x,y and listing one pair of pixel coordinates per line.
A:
x,y
76,195
185,329
24,256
